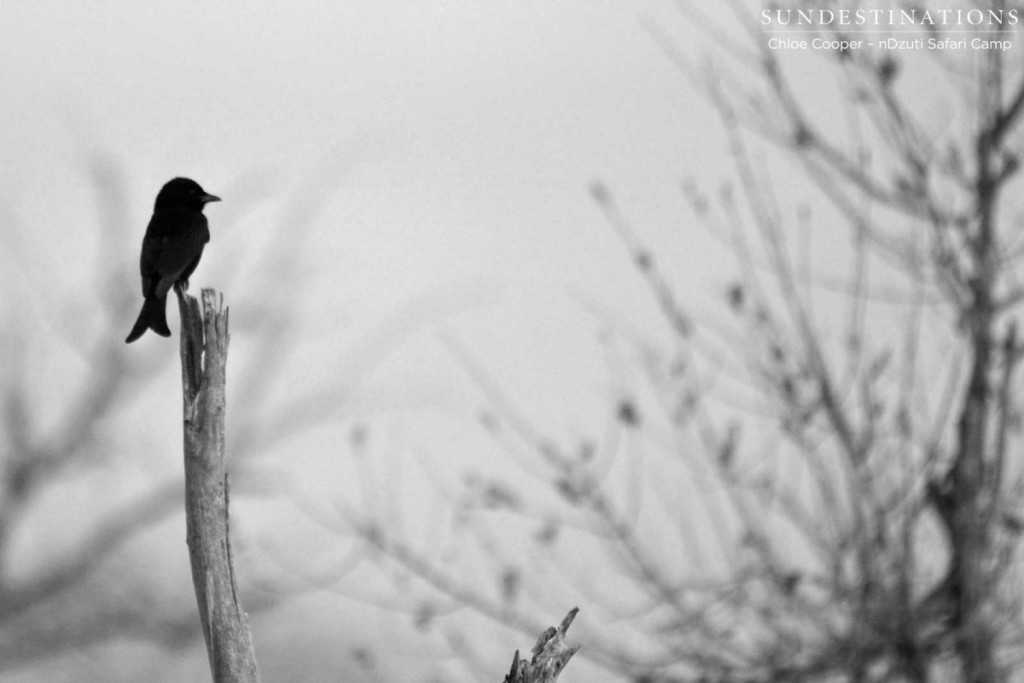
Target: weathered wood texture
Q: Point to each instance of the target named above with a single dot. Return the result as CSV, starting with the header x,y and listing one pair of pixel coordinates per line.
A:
x,y
204,347
550,655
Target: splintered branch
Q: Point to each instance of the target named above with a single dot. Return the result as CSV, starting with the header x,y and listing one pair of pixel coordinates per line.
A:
x,y
550,655
204,346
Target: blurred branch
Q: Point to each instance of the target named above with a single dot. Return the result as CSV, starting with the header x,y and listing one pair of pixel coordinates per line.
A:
x,y
109,534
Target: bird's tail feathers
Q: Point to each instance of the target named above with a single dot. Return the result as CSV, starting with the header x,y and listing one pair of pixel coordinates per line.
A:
x,y
153,316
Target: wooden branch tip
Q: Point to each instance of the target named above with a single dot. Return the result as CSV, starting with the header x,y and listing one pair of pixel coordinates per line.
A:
x,y
550,655
213,302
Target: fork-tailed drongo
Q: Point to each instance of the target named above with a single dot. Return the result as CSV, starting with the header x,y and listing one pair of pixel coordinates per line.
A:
x,y
171,249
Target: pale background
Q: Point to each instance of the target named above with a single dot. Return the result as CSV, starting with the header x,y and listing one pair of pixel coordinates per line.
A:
x,y
445,151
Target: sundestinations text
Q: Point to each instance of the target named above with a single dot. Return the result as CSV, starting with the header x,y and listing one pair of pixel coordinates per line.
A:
x,y
889,17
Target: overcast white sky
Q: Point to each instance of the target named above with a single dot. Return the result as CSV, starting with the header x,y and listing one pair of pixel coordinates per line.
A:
x,y
466,133
449,146
452,143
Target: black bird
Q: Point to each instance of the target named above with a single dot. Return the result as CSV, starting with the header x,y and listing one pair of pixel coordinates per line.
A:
x,y
171,249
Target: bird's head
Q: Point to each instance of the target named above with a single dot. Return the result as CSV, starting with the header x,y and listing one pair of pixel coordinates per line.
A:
x,y
183,193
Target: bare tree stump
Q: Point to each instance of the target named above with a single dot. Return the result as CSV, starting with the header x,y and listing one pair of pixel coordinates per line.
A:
x,y
204,347
550,655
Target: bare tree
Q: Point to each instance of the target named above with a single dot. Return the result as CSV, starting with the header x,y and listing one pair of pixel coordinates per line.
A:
x,y
820,484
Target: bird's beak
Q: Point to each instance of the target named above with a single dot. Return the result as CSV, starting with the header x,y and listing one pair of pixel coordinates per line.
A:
x,y
207,198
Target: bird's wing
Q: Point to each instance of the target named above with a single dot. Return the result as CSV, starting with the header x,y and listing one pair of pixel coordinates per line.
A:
x,y
174,241
174,266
